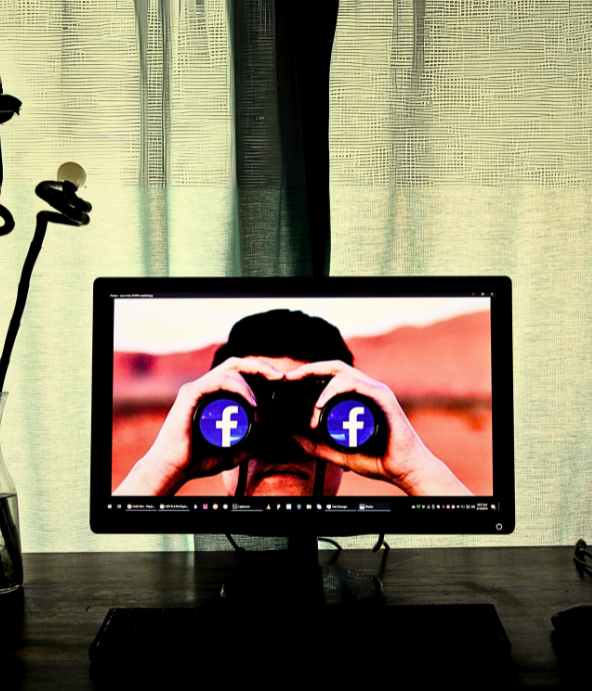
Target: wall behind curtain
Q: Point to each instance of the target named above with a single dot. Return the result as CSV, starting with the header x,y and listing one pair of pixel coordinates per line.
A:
x,y
460,144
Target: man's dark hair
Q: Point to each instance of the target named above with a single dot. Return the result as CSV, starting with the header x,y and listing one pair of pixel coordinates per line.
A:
x,y
283,333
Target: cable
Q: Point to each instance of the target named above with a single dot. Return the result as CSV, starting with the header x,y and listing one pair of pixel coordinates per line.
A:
x,y
319,480
380,543
331,542
580,554
238,548
241,485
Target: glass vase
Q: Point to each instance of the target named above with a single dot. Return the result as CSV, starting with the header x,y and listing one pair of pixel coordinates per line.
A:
x,y
11,557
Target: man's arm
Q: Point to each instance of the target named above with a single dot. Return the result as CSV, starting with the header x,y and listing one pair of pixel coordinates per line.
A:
x,y
406,461
170,463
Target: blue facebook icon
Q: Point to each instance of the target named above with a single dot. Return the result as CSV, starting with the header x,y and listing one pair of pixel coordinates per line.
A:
x,y
224,422
350,424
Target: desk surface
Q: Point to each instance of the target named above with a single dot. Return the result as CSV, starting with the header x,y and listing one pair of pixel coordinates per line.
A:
x,y
66,597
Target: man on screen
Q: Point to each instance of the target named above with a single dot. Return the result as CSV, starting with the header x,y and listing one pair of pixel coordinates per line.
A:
x,y
281,346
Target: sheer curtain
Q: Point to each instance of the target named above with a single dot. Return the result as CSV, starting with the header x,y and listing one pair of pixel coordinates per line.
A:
x,y
460,143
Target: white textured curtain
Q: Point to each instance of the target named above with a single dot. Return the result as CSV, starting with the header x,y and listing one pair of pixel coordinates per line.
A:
x,y
460,143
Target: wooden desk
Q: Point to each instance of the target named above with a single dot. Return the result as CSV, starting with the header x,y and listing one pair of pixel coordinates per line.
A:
x,y
66,597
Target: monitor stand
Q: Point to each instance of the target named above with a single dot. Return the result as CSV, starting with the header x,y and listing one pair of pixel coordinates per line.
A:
x,y
347,619
294,578
287,617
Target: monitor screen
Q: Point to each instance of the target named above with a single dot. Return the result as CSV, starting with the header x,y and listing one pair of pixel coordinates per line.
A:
x,y
271,406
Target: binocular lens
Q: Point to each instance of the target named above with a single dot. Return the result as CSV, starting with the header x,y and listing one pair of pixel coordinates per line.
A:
x,y
224,422
350,424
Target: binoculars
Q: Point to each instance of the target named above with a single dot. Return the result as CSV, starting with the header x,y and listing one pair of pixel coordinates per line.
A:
x,y
350,422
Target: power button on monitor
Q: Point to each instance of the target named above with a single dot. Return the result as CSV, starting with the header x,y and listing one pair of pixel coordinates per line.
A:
x,y
498,526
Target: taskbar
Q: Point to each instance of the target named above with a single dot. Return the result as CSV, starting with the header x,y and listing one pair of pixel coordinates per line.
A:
x,y
300,504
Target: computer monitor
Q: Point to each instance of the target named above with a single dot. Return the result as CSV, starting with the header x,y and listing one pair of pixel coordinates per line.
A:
x,y
293,406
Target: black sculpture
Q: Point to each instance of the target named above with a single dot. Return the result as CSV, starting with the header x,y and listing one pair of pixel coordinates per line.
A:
x,y
9,106
71,211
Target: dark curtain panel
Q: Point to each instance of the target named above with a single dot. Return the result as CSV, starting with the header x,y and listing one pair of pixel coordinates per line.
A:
x,y
282,58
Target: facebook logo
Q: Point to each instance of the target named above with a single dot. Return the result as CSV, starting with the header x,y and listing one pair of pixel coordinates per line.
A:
x,y
224,423
350,423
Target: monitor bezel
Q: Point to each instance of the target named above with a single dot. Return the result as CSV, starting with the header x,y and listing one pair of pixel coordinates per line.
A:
x,y
498,521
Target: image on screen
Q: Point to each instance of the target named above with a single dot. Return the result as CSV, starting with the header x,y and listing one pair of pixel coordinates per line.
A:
x,y
432,354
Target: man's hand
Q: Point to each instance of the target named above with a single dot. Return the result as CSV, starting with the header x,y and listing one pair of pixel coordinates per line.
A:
x,y
169,463
406,462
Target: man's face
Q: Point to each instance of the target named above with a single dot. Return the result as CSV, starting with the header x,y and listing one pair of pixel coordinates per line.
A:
x,y
290,472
